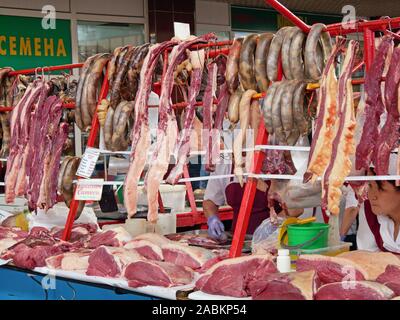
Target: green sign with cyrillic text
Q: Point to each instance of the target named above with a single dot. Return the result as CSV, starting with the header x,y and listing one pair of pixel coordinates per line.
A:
x,y
25,43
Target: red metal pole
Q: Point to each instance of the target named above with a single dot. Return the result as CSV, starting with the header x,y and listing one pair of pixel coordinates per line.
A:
x,y
374,25
289,15
91,140
45,69
248,196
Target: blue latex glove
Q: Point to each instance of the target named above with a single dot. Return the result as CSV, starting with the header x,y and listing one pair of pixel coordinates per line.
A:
x,y
215,228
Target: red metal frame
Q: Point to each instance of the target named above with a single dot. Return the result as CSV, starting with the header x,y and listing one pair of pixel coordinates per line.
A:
x,y
368,28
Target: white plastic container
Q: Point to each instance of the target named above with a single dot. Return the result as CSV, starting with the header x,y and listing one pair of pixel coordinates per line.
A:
x,y
135,227
283,261
172,196
166,223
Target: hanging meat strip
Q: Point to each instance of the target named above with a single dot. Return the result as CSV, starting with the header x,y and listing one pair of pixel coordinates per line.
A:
x,y
182,149
325,128
343,143
374,106
389,134
167,130
140,135
209,96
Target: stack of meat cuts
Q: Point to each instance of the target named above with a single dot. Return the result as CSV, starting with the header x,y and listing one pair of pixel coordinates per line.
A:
x,y
37,140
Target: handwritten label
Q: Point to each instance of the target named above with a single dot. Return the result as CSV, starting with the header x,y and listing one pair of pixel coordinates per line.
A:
x,y
88,162
89,189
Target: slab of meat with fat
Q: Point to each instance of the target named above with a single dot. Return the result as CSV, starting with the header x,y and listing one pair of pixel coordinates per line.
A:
x,y
109,262
231,277
391,278
343,145
325,126
354,290
187,256
285,286
374,105
116,237
156,273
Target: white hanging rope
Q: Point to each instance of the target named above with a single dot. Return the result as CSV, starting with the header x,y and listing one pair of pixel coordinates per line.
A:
x,y
349,178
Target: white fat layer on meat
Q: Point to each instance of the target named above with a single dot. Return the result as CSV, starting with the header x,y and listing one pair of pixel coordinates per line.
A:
x,y
134,244
305,281
75,261
155,238
379,288
374,263
338,260
122,235
197,59
6,243
264,257
201,255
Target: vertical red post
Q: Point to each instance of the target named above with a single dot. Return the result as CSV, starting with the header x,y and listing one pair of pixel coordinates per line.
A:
x,y
248,196
91,140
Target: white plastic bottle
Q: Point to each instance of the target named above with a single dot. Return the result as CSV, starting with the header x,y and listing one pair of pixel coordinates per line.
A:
x,y
283,262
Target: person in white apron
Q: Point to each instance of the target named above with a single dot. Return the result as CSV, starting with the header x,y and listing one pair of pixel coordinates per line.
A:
x,y
379,216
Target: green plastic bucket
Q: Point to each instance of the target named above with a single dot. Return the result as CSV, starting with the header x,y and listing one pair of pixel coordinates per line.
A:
x,y
312,235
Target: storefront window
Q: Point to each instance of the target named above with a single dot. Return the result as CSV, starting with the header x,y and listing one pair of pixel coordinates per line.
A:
x,y
96,37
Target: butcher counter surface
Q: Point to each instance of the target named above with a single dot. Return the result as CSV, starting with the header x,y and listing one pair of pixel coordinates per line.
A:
x,y
151,291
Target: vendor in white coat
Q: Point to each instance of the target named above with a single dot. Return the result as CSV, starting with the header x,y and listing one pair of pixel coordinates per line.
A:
x,y
379,216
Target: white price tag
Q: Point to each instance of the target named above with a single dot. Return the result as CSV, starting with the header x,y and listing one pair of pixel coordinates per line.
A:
x,y
88,162
89,189
182,30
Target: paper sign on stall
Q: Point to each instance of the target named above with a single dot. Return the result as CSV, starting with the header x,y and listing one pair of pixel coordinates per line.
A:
x,y
182,30
88,162
89,189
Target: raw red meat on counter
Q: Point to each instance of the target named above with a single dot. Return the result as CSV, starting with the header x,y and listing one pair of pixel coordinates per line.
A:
x,y
149,245
231,277
70,261
354,290
116,237
187,256
331,269
285,286
391,278
374,263
156,273
109,262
